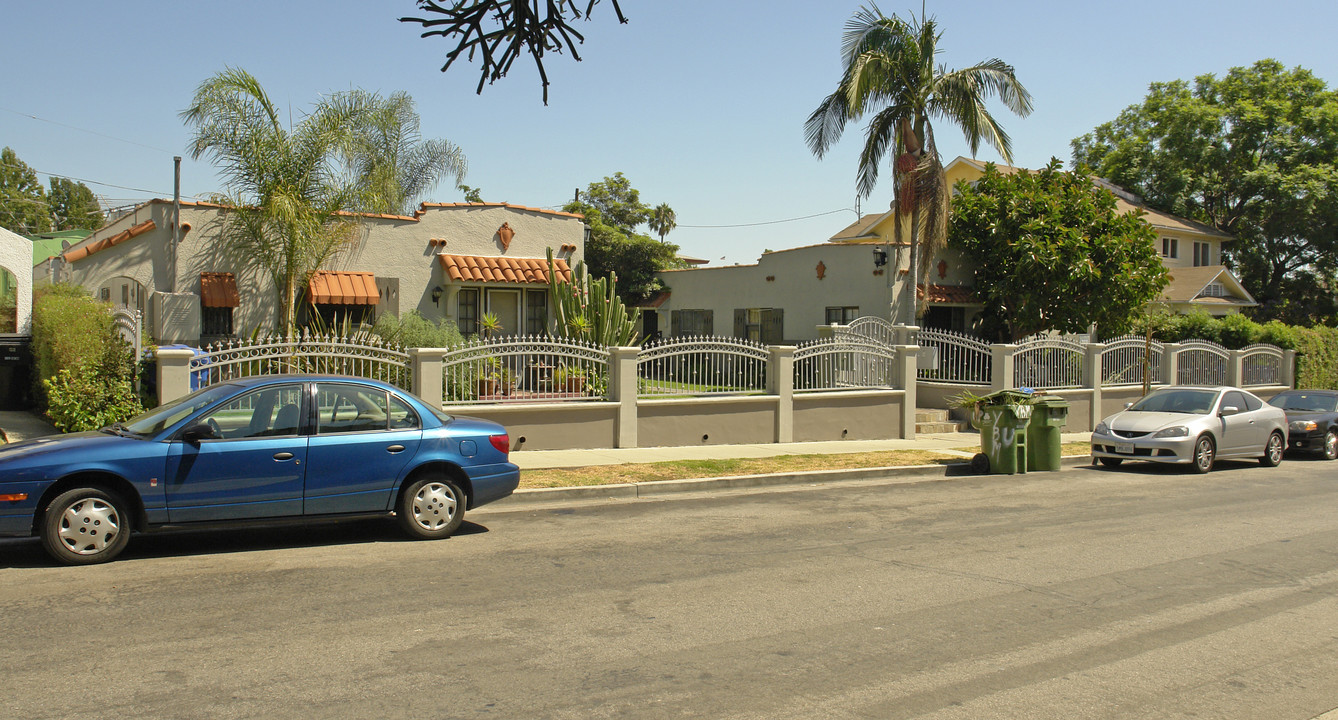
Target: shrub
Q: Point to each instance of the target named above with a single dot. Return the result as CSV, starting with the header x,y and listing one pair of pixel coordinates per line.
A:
x,y
73,332
88,397
412,330
1317,357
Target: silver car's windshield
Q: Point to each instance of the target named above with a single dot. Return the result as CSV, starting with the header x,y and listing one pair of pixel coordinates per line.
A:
x,y
1197,402
153,421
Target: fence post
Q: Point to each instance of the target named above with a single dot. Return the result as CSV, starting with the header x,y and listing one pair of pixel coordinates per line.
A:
x,y
1093,376
827,331
1235,359
907,376
906,335
1170,363
780,382
1288,368
623,390
426,372
173,373
1001,366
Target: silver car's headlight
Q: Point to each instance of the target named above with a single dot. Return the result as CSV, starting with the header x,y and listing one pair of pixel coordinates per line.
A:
x,y
1177,431
1102,428
1302,425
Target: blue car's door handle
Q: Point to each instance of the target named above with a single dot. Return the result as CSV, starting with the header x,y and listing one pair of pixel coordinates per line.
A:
x,y
283,456
395,448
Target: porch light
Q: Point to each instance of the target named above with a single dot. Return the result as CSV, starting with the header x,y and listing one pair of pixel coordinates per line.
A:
x,y
879,257
436,295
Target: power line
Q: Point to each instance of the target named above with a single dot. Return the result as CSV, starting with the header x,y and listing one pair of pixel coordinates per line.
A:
x,y
155,193
771,222
90,132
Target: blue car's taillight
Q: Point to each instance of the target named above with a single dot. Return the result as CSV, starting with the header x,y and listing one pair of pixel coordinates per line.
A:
x,y
501,442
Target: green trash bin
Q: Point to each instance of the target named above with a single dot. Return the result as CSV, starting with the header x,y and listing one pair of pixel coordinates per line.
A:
x,y
1049,414
1003,431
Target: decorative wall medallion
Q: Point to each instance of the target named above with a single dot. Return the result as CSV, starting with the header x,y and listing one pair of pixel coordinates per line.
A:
x,y
942,269
505,233
822,270
771,278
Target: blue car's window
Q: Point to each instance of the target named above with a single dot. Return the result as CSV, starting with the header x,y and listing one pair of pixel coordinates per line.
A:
x,y
1197,402
351,408
267,412
402,417
170,413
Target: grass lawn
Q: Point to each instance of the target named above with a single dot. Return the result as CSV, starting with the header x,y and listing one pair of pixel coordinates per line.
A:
x,y
688,469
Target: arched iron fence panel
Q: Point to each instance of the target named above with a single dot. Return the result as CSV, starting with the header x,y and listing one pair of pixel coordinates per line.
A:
x,y
524,369
691,365
871,328
360,356
1261,365
1048,362
1200,362
1124,358
962,359
844,364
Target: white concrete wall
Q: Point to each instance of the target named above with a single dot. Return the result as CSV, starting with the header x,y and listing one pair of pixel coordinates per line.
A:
x,y
16,256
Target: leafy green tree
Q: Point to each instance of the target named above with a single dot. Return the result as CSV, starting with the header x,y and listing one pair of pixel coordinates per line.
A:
x,y
1255,155
662,220
1051,252
73,205
889,72
472,194
393,164
502,30
23,203
613,210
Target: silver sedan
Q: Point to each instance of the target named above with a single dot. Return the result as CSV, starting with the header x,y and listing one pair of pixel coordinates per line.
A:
x,y
1195,425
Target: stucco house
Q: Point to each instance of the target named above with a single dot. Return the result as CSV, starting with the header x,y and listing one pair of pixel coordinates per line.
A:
x,y
861,270
451,261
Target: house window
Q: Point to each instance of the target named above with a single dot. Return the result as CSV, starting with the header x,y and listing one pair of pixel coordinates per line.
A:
x,y
1202,254
1170,248
841,315
105,294
692,322
764,325
216,320
536,312
1215,290
467,311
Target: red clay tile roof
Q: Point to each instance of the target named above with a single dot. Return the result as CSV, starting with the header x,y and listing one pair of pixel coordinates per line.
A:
x,y
344,288
218,289
84,251
424,206
482,268
947,294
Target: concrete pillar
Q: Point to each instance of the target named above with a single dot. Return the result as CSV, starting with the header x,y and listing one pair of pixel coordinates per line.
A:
x,y
780,383
827,331
1288,368
907,374
1235,371
623,390
906,335
1092,378
1170,363
173,373
426,374
1001,366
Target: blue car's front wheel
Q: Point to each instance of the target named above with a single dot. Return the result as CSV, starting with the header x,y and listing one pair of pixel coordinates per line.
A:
x,y
85,526
431,508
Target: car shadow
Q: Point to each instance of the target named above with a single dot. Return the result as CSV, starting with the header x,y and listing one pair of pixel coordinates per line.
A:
x,y
1155,468
186,542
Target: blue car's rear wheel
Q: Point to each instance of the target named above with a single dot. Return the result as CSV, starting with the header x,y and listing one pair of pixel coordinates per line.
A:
x,y
85,526
431,508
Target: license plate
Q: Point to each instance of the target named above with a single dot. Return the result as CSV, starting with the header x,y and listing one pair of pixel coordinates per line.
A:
x,y
1124,448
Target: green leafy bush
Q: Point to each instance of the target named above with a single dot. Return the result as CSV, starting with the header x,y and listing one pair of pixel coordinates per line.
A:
x,y
79,356
87,398
412,330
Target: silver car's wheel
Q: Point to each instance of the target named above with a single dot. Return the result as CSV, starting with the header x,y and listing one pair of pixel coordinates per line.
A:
x,y
1204,452
85,526
432,508
1273,451
1331,444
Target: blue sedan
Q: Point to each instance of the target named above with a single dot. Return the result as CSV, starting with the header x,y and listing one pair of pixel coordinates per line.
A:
x,y
278,446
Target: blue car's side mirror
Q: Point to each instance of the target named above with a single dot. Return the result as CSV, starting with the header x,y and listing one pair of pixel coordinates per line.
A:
x,y
196,433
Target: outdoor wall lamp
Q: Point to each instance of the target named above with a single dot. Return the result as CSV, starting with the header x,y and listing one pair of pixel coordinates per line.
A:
x,y
436,295
879,257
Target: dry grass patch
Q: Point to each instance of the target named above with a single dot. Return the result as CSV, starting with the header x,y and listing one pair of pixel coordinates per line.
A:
x,y
690,469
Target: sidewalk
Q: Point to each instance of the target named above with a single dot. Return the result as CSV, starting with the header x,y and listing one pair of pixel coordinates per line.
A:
x,y
22,425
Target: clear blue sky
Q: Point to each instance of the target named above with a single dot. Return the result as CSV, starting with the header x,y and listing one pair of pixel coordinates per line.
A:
x,y
701,103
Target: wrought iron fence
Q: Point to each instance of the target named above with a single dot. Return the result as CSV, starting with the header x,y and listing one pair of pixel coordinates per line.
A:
x,y
1124,358
1261,365
844,363
1048,362
870,328
962,359
1200,362
524,369
363,356
691,365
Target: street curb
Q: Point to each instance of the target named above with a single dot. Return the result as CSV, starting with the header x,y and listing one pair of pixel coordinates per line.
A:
x,y
661,488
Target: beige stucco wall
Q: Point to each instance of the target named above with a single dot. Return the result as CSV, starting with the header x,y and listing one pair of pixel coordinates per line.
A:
x,y
16,256
391,247
707,421
556,426
864,415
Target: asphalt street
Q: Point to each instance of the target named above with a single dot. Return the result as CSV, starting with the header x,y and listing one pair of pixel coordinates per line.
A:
x,y
1086,593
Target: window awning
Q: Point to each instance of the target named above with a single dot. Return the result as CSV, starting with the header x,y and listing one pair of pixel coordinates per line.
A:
x,y
486,269
218,289
343,288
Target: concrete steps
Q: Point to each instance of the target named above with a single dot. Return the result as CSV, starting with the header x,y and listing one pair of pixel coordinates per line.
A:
x,y
937,421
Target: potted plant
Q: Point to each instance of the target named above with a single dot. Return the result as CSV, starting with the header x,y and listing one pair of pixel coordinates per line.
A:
x,y
568,379
490,325
490,377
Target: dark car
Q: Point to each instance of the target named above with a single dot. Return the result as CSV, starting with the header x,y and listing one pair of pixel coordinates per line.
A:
x,y
271,447
1312,420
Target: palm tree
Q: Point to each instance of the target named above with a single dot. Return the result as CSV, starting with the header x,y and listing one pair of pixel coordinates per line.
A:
x,y
662,220
392,164
889,72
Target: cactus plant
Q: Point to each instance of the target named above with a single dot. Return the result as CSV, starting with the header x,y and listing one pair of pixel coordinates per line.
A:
x,y
590,309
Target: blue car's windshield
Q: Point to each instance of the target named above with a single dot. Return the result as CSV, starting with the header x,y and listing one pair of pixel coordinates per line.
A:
x,y
163,416
1305,402
1198,402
